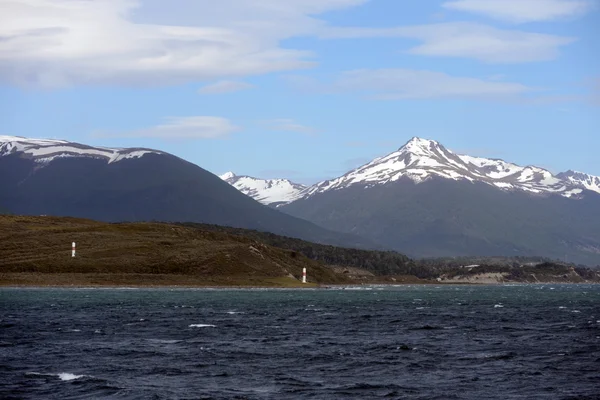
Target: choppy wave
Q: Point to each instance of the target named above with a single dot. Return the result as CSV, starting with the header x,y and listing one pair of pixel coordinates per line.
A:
x,y
63,376
413,342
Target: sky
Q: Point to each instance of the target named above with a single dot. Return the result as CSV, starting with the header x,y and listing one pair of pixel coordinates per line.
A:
x,y
307,89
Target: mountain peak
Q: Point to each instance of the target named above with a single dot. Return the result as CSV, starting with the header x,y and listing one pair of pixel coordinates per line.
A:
x,y
572,172
420,145
24,140
581,179
44,151
423,159
227,175
266,191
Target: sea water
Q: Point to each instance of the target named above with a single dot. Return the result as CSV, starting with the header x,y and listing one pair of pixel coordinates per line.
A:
x,y
401,342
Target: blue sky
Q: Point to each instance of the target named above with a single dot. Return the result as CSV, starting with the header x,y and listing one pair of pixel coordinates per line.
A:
x,y
307,89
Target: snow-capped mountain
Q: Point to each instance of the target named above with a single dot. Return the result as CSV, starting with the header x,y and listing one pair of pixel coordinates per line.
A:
x,y
581,179
56,177
422,159
43,151
427,201
267,191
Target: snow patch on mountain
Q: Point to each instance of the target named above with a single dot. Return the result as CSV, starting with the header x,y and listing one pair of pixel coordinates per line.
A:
x,y
580,179
423,159
227,175
266,191
44,151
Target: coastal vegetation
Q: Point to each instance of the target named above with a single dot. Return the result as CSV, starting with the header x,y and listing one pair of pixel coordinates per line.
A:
x,y
37,251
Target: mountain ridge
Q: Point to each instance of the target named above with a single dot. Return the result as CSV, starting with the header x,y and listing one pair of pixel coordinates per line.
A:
x,y
61,178
266,191
421,159
424,200
440,218
44,151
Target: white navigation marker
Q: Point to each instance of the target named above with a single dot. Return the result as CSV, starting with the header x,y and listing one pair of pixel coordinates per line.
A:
x,y
303,275
73,252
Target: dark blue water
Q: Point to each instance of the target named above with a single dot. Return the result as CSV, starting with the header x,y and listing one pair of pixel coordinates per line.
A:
x,y
411,342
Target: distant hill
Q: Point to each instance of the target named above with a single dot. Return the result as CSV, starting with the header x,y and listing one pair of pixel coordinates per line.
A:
x,y
53,177
37,251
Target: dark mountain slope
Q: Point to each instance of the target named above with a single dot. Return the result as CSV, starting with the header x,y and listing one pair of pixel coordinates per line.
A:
x,y
157,187
441,217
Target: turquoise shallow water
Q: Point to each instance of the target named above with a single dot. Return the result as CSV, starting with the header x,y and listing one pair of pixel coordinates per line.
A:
x,y
406,342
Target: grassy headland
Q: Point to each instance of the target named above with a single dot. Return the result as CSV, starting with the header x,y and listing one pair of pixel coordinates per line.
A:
x,y
36,251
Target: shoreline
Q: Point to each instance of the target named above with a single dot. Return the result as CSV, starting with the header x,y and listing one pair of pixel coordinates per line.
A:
x,y
20,280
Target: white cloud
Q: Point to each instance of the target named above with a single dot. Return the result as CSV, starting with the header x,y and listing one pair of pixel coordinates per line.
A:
x,y
225,87
53,43
289,125
197,127
467,40
521,11
401,84
65,42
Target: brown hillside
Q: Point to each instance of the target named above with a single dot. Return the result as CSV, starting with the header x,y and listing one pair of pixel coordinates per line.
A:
x,y
36,249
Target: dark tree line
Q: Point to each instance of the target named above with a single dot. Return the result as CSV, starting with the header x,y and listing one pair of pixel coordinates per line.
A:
x,y
394,263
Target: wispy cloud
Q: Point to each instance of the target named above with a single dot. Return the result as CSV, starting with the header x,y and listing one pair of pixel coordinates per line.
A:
x,y
403,84
197,127
120,42
467,40
521,11
221,87
398,84
288,125
130,42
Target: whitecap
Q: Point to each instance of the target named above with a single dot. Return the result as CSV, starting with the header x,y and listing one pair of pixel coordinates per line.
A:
x,y
67,376
562,307
235,312
498,306
202,326
164,341
575,311
63,376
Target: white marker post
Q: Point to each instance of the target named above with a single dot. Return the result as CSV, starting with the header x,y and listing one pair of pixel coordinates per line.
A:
x,y
73,252
303,275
